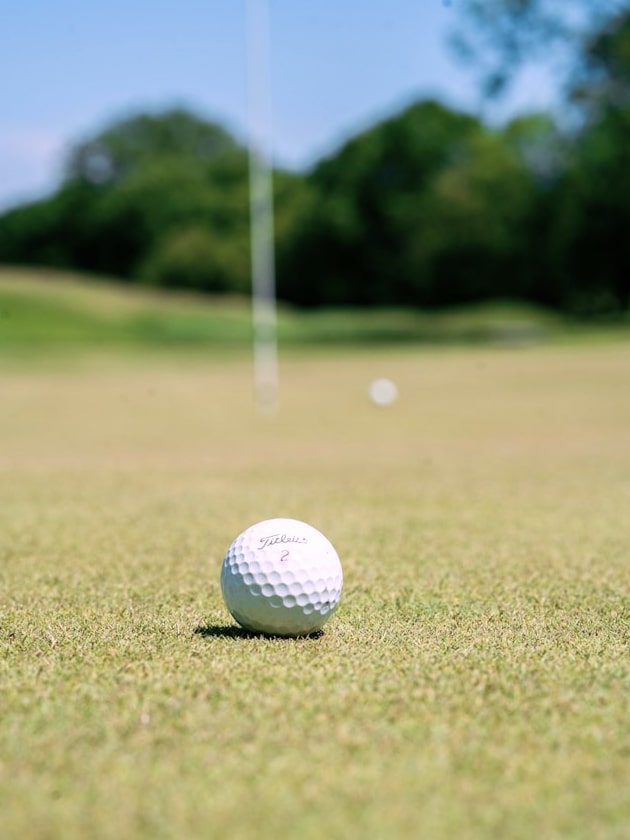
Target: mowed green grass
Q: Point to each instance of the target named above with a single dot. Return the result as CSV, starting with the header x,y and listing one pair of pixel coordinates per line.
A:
x,y
475,681
60,313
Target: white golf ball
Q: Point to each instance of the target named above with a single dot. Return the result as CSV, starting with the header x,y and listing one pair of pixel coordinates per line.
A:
x,y
281,577
383,392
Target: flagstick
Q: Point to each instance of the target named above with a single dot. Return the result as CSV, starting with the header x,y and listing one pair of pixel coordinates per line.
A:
x,y
261,209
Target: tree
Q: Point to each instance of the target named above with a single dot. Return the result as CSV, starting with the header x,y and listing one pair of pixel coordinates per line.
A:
x,y
54,231
589,239
585,210
541,144
476,214
114,154
601,83
406,213
197,257
135,201
349,240
500,37
162,197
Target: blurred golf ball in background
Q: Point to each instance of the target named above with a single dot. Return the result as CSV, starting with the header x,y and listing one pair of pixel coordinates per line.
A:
x,y
383,392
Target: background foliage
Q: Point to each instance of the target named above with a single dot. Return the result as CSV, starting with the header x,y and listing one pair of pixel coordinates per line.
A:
x,y
428,208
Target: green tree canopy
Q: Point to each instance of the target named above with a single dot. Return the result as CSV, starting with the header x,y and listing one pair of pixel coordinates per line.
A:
x,y
500,37
430,207
117,152
590,237
135,202
602,82
407,213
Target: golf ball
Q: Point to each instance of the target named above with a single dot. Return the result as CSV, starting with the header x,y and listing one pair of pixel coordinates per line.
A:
x,y
383,392
281,577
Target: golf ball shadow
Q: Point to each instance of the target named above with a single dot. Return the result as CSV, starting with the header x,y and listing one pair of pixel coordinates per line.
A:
x,y
233,631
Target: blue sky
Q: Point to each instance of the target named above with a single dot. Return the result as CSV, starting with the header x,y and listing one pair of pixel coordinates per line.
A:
x,y
68,67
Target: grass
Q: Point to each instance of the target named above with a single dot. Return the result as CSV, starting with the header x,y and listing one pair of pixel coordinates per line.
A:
x,y
475,680
57,312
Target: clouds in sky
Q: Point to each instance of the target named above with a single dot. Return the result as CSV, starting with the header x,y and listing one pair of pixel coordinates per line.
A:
x,y
30,162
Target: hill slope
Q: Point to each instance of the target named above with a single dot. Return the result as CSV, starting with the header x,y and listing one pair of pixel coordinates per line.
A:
x,y
47,310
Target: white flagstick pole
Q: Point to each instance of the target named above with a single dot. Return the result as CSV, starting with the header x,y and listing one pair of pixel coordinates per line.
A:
x,y
261,209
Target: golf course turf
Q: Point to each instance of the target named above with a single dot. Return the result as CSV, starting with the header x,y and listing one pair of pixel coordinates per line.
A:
x,y
475,681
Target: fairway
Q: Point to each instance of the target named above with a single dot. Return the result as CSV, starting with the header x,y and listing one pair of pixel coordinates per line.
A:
x,y
475,681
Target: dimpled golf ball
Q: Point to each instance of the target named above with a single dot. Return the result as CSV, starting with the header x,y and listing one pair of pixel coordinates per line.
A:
x,y
281,577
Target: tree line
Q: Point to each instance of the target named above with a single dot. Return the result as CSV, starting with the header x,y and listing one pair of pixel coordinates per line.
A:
x,y
428,208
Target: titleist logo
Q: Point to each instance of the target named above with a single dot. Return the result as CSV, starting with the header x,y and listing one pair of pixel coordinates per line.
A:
x,y
279,539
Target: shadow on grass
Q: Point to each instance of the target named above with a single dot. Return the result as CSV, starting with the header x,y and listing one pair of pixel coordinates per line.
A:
x,y
232,631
